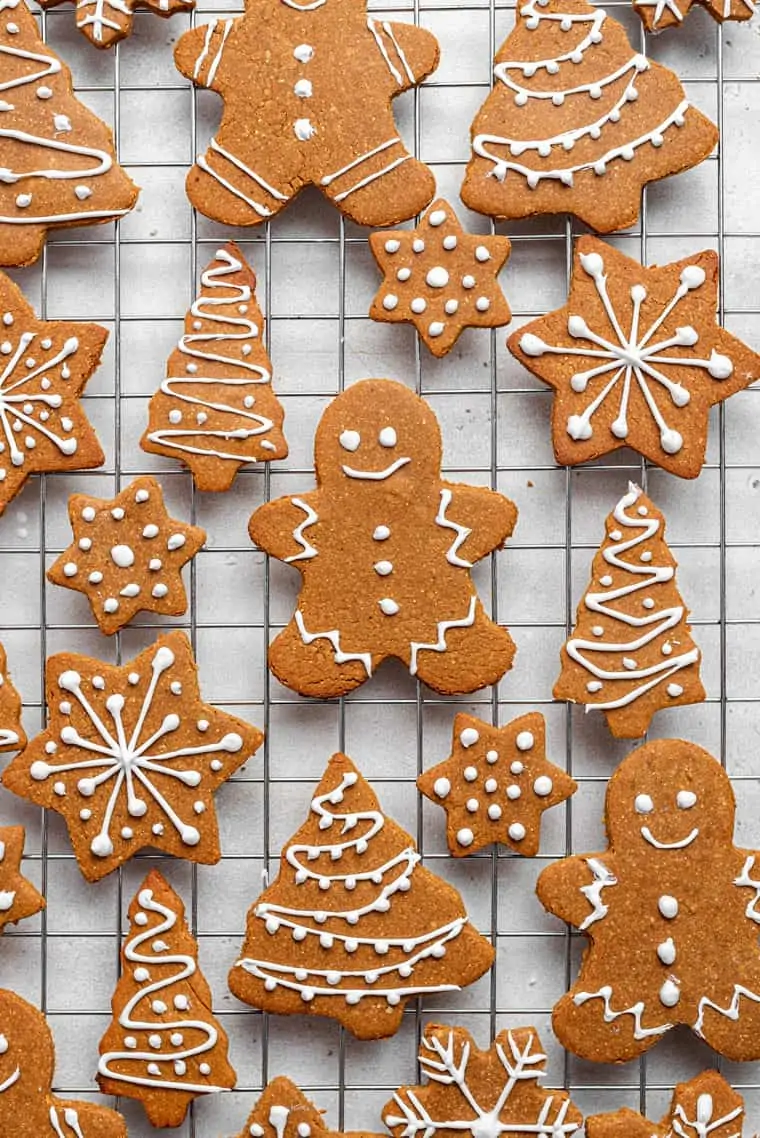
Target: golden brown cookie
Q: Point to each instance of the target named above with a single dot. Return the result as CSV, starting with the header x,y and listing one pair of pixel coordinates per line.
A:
x,y
659,14
578,121
127,555
631,652
283,1111
131,756
164,1046
385,548
354,926
440,278
670,910
496,784
705,1107
216,410
12,736
636,358
320,113
18,897
105,22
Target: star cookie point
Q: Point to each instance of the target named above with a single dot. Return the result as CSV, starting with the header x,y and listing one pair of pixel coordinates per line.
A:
x,y
12,736
18,897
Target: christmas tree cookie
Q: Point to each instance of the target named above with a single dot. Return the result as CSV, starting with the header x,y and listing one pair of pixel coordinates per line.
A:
x,y
385,548
284,1112
354,925
132,757
57,158
631,652
705,1107
578,121
18,897
670,910
105,22
636,358
164,1046
216,409
12,737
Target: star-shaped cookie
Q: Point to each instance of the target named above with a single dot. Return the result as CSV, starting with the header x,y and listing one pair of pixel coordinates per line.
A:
x,y
496,784
127,555
132,757
18,897
636,358
440,278
12,737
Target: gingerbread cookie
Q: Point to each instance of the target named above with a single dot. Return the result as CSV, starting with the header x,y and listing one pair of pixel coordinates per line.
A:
x,y
164,1046
659,14
12,737
631,652
705,1107
578,121
476,1092
105,22
127,555
496,784
217,414
660,907
44,367
57,158
440,278
18,897
28,1107
385,547
283,1111
354,926
131,756
328,73
636,358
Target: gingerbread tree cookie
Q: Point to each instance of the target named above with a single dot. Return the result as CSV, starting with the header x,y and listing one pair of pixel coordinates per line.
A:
x,y
12,737
284,1112
385,547
354,925
659,14
131,756
631,652
476,1092
164,1046
216,409
578,121
636,358
440,278
57,158
105,22
660,907
496,784
28,1107
705,1107
330,73
127,555
18,897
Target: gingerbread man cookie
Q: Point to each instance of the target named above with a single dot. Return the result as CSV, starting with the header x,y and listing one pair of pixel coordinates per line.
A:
x,y
385,548
18,897
660,907
284,1112
12,737
705,1107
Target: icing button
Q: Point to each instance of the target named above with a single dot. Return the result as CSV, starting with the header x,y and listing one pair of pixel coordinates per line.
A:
x,y
668,906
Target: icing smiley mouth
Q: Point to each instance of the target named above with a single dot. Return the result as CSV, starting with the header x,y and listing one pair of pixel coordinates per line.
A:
x,y
648,836
376,475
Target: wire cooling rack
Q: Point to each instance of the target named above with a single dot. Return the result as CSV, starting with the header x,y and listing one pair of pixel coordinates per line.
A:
x,y
315,281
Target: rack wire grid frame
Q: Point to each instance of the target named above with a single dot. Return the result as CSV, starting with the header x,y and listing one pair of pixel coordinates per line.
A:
x,y
315,281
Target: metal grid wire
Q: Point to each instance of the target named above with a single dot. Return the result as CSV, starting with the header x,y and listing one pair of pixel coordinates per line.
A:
x,y
315,281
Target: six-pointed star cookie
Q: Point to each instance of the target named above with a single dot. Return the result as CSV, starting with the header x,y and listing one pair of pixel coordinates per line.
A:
x,y
496,784
636,358
131,756
127,555
18,897
44,366
440,278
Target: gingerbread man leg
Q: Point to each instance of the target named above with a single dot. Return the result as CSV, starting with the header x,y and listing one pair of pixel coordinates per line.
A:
x,y
310,666
589,1030
442,668
238,190
381,184
733,1032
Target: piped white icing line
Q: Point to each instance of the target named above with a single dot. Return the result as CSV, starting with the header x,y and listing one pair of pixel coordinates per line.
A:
x,y
328,179
333,636
636,1011
444,626
10,1081
19,404
8,738
603,879
307,549
704,1122
211,27
129,1017
375,475
228,156
97,18
462,532
388,30
70,1121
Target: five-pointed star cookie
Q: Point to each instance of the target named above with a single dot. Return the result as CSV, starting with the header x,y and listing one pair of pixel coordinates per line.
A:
x,y
18,897
44,366
636,358
496,784
127,555
440,278
132,757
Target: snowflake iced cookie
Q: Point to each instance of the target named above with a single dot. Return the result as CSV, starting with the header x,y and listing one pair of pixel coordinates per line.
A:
x,y
28,1107
631,652
440,278
330,72
705,1107
12,737
127,555
354,926
578,121
496,784
18,897
57,158
659,14
164,1046
385,548
482,1093
660,906
216,409
132,757
105,22
44,367
636,358
283,1111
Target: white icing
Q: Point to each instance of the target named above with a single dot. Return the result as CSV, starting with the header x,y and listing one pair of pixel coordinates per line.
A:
x,y
227,156
469,736
636,1011
304,130
668,906
524,742
211,27
443,626
19,401
375,475
387,437
123,556
442,787
333,636
402,60
649,837
462,532
603,879
307,549
330,178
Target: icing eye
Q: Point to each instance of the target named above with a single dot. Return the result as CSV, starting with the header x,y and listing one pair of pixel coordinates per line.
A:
x,y
643,804
3,1045
685,799
387,437
350,440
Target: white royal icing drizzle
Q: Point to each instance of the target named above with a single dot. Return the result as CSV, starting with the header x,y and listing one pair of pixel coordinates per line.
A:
x,y
662,6
228,156
211,27
603,879
388,30
8,738
636,1011
330,178
375,475
462,532
98,20
70,1122
333,636
307,549
444,626
704,1122
129,1017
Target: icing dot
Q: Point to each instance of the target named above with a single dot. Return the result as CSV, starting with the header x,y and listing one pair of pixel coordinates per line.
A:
x,y
388,606
176,541
472,805
492,756
465,837
469,736
381,533
59,788
392,245
142,496
110,605
204,1068
450,242
437,277
95,577
543,786
513,792
668,906
451,307
490,785
674,690
181,1003
130,1042
468,281
494,812
482,304
470,774
70,569
127,832
643,804
685,799
516,767
516,831
418,245
667,951
403,274
524,741
304,52
88,514
435,328
597,630
85,543
482,254
437,217
123,556
154,1041
669,994
442,787
85,814
387,437
44,93
606,580
418,305
390,301
150,531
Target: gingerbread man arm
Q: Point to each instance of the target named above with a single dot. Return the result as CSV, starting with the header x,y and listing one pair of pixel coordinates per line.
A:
x,y
573,889
488,516
411,53
199,52
283,528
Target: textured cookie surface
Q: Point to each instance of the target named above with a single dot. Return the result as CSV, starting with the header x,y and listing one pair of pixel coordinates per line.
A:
x,y
283,1111
18,897
706,1105
12,736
